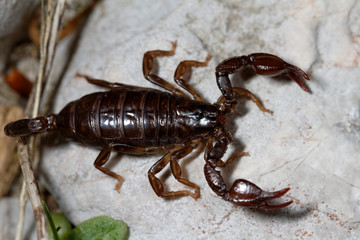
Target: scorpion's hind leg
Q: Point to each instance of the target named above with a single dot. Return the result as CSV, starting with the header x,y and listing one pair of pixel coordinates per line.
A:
x,y
242,192
105,153
104,83
172,157
101,159
182,75
148,61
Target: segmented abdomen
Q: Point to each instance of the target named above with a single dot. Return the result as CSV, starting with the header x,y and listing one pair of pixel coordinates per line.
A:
x,y
131,117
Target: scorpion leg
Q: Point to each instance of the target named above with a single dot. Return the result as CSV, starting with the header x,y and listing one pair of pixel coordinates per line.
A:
x,y
176,170
106,84
182,75
155,79
101,159
263,64
241,92
171,157
101,83
242,192
104,156
234,156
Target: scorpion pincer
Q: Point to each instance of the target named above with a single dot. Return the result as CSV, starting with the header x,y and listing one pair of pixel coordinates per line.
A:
x,y
136,120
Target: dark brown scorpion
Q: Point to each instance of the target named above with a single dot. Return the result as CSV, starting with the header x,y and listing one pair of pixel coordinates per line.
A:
x,y
136,120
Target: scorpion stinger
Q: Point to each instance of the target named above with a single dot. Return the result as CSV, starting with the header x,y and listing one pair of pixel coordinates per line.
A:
x,y
25,127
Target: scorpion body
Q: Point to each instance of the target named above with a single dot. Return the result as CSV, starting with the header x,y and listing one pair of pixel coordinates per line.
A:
x,y
136,120
136,117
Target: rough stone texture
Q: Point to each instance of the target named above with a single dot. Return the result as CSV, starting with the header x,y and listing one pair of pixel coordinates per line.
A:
x,y
311,143
9,210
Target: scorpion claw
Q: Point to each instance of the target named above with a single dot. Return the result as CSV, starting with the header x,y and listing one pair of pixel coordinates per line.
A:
x,y
297,75
267,206
246,193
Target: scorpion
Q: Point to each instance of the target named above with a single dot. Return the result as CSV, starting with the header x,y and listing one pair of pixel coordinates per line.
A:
x,y
137,120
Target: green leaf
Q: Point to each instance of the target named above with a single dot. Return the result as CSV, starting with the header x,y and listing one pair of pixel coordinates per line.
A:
x,y
61,221
51,225
100,228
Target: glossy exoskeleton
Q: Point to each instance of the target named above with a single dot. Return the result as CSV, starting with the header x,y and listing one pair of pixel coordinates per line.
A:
x,y
135,120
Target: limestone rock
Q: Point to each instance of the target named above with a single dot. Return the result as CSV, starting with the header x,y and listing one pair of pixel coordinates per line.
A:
x,y
310,143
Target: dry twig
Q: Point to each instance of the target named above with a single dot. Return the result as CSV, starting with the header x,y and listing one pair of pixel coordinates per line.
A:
x,y
52,11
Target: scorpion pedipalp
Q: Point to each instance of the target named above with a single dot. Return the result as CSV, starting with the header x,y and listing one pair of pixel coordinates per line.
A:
x,y
243,192
263,64
271,65
246,193
297,74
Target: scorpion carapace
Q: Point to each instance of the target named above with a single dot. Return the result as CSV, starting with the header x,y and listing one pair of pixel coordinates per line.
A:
x,y
136,120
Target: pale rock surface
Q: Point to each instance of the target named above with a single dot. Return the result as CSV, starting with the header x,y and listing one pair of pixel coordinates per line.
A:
x,y
311,142
9,211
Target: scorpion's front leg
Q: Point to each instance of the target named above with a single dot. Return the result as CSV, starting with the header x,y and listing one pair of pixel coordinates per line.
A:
x,y
182,75
242,192
263,64
148,63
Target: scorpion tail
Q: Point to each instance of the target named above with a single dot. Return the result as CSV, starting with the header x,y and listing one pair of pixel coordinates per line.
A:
x,y
25,127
